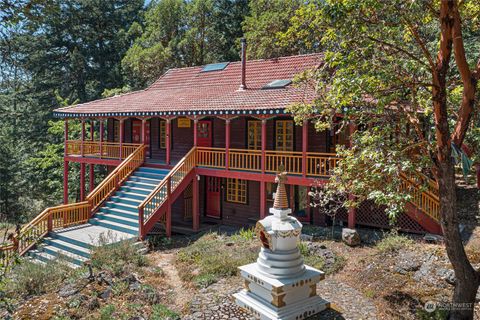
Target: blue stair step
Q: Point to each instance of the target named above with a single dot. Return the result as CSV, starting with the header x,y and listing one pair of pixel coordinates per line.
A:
x,y
130,195
123,220
126,200
153,170
119,212
136,190
115,226
121,205
149,175
69,247
135,178
142,185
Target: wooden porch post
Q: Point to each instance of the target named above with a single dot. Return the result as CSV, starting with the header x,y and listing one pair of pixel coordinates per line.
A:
x,y
101,137
65,166
304,147
263,199
83,136
263,184
195,132
227,143
121,138
90,166
264,142
168,216
65,182
82,181
167,141
195,204
144,130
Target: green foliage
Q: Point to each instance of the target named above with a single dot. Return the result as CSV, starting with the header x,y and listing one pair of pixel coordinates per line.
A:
x,y
161,312
393,242
180,33
265,25
116,256
214,256
28,278
246,234
106,312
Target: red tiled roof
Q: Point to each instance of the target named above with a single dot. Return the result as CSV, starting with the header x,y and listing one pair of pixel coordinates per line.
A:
x,y
189,90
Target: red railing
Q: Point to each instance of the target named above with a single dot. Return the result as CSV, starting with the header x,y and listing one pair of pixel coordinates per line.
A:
x,y
161,194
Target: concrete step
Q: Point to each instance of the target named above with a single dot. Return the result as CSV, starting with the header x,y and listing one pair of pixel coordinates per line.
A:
x,y
67,246
46,257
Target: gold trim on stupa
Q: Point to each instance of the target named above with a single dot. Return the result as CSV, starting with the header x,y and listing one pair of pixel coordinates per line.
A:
x,y
281,199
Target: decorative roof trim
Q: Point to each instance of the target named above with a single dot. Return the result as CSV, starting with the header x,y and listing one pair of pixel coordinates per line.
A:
x,y
63,115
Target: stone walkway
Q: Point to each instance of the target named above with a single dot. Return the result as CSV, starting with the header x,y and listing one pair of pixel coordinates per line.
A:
x,y
216,302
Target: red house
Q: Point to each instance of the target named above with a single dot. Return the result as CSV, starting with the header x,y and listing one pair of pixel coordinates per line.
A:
x,y
224,127
201,146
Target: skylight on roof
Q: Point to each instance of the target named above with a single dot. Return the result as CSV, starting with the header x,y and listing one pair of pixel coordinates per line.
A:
x,y
215,66
278,84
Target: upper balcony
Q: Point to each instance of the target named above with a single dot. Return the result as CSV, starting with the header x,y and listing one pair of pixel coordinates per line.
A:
x,y
301,164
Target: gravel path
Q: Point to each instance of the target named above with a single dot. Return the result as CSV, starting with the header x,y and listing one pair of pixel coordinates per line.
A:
x,y
216,302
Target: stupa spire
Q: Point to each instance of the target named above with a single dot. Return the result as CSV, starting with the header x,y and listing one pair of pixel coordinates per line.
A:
x,y
281,199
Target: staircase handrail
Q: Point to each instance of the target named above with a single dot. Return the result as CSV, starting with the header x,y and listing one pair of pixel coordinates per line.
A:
x,y
69,214
166,186
106,188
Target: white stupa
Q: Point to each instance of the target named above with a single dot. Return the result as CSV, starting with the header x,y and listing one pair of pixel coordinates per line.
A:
x,y
279,285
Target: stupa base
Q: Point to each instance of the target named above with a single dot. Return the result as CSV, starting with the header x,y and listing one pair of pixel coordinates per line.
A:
x,y
286,298
266,311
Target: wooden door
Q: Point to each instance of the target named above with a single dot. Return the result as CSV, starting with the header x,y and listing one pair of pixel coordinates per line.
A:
x,y
204,133
213,197
137,133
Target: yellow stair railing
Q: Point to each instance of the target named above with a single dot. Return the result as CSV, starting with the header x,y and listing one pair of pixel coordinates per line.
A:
x,y
63,216
148,208
424,192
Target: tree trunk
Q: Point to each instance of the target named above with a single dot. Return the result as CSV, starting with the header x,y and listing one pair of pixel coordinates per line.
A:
x,y
467,279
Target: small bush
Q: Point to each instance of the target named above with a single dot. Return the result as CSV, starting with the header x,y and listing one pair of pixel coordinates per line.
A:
x,y
394,242
160,312
106,313
214,256
116,256
29,278
247,234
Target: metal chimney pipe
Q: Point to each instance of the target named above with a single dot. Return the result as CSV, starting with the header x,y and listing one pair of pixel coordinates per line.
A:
x,y
243,85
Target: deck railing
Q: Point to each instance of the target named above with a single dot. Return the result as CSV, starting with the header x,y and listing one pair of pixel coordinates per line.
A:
x,y
316,164
70,214
424,193
113,181
163,191
101,150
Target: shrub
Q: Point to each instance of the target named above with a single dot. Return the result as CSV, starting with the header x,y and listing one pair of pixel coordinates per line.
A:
x,y
213,256
106,313
116,256
29,278
160,312
393,242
